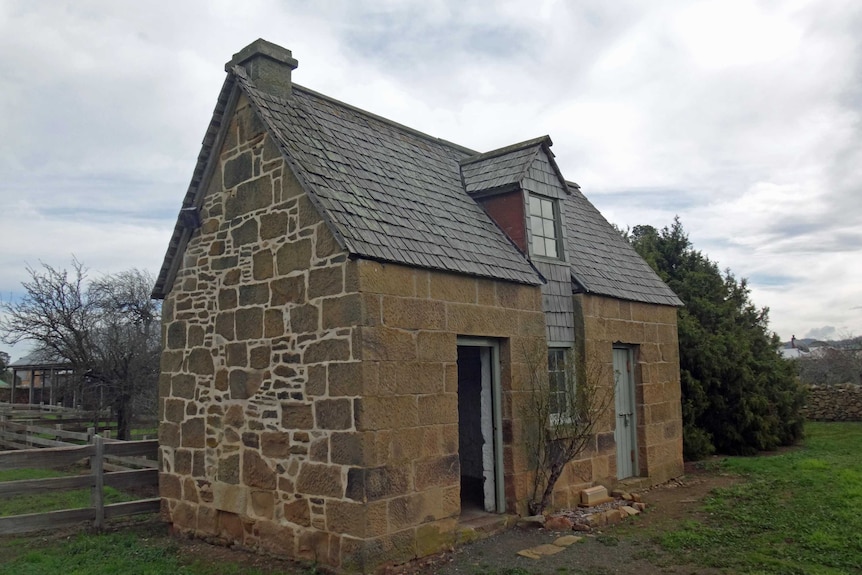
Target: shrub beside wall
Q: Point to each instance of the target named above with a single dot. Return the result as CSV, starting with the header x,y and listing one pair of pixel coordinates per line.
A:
x,y
834,403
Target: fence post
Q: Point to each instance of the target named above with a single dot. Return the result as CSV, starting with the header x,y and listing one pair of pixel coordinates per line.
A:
x,y
97,467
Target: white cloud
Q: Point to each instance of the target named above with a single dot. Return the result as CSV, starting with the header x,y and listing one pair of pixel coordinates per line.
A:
x,y
742,117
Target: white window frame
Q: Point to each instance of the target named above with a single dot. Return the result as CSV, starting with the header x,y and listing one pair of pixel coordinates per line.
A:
x,y
561,383
542,224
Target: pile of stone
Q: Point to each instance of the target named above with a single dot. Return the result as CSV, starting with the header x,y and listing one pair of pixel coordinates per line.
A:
x,y
596,510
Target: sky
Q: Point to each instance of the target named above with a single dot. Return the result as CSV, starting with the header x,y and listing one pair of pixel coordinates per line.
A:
x,y
743,118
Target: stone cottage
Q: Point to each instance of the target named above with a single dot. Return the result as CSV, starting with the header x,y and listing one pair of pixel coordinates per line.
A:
x,y
346,305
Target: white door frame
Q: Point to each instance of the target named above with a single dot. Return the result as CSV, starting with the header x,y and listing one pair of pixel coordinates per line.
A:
x,y
495,493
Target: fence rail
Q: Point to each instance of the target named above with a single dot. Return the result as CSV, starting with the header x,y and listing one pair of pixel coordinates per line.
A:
x,y
97,452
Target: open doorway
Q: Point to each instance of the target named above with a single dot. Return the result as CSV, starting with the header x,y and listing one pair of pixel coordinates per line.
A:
x,y
479,433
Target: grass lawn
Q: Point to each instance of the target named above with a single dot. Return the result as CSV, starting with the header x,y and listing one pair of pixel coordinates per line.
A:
x,y
49,500
798,513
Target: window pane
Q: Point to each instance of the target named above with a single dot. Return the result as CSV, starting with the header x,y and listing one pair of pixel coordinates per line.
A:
x,y
551,247
538,246
549,229
536,226
535,206
547,209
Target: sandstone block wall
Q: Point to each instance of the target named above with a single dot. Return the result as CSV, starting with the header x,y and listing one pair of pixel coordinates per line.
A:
x,y
834,403
651,330
407,410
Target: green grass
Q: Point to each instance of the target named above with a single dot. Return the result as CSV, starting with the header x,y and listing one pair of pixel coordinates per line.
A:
x,y
797,513
111,553
138,549
49,500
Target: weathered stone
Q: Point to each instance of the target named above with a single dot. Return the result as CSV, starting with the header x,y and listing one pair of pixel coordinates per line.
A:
x,y
249,323
440,471
176,335
319,479
245,233
531,521
346,379
396,412
236,354
227,299
273,225
377,483
293,256
256,472
287,290
567,540
260,357
250,196
327,350
228,469
253,294
344,311
629,510
224,325
262,503
296,416
558,523
326,281
351,448
183,385
594,495
333,413
262,265
193,433
273,323
237,170
200,361
305,319
275,444
298,512
170,486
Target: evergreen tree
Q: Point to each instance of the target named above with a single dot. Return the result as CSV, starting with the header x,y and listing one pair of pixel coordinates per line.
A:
x,y
739,396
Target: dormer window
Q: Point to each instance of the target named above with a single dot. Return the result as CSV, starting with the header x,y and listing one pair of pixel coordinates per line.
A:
x,y
545,227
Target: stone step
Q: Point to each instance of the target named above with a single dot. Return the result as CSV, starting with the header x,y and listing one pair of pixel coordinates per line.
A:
x,y
480,525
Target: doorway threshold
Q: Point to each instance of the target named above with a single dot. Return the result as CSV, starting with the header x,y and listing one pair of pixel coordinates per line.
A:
x,y
475,524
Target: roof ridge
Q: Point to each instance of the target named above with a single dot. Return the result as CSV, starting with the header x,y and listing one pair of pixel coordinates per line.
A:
x,y
507,150
379,118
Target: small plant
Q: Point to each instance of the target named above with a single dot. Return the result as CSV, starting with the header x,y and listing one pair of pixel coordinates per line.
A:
x,y
563,414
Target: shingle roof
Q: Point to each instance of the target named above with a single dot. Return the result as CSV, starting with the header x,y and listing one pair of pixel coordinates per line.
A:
x,y
391,193
501,168
603,262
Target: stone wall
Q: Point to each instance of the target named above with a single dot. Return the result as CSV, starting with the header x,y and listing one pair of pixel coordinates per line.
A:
x,y
407,407
834,403
651,331
258,323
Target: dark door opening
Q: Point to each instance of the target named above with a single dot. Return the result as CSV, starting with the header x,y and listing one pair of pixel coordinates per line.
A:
x,y
470,440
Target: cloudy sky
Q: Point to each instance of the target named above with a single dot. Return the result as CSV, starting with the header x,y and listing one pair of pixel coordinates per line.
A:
x,y
742,117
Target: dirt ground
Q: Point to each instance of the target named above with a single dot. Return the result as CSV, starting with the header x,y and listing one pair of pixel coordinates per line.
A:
x,y
624,549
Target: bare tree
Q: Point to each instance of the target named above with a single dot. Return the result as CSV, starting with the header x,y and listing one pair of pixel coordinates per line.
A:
x,y
107,330
569,397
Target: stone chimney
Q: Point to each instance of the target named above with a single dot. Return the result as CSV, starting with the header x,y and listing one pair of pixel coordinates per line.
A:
x,y
268,65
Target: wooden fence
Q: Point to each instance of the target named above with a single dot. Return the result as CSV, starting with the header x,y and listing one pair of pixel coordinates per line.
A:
x,y
97,451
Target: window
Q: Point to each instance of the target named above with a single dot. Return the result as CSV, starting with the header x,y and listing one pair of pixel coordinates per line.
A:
x,y
561,383
544,227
